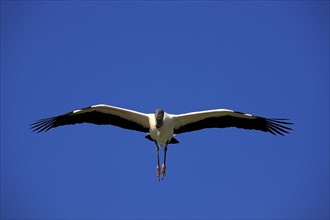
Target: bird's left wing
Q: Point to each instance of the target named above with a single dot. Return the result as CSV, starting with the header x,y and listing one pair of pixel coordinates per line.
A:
x,y
97,114
222,118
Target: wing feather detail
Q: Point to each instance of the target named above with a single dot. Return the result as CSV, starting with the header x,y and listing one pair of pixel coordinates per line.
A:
x,y
223,118
97,114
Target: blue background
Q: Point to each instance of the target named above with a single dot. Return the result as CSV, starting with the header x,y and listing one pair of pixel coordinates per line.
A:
x,y
265,58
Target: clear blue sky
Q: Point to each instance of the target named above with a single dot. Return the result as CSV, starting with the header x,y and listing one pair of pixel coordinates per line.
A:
x,y
265,58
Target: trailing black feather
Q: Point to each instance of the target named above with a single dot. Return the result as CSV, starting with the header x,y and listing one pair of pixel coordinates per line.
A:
x,y
94,117
273,126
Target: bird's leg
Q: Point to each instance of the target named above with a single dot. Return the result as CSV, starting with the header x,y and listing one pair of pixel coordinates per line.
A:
x,y
164,164
158,164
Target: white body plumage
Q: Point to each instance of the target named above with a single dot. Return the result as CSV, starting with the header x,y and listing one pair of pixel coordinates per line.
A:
x,y
163,134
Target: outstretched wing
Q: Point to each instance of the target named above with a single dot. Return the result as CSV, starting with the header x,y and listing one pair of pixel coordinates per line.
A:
x,y
222,118
97,114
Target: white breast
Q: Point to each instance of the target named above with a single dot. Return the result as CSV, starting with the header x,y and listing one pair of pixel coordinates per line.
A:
x,y
164,133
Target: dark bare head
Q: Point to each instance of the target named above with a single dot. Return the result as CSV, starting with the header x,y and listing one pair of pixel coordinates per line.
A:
x,y
159,116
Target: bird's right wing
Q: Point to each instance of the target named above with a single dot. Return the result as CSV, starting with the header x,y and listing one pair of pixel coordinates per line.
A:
x,y
97,114
222,118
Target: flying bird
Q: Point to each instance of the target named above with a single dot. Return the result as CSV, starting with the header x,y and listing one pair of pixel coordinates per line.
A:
x,y
161,127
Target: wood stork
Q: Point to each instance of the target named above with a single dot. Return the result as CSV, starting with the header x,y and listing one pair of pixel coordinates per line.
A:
x,y
161,127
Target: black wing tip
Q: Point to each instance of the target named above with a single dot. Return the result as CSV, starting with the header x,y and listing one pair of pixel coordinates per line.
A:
x,y
281,120
278,126
43,125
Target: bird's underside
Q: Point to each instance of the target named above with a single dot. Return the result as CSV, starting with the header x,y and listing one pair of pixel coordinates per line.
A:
x,y
160,126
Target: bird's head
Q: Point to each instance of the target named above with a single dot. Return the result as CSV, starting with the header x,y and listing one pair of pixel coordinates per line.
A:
x,y
159,116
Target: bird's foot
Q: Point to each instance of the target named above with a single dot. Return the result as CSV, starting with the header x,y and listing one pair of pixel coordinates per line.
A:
x,y
163,171
158,172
